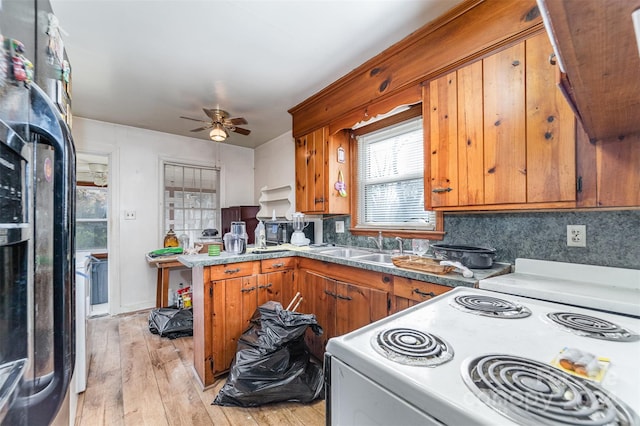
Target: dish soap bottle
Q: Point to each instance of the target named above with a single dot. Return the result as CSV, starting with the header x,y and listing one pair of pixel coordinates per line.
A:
x,y
260,236
170,240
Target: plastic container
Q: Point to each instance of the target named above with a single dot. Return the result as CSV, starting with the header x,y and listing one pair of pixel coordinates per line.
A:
x,y
260,236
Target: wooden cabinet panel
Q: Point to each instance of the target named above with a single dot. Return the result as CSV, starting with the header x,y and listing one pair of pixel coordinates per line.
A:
x,y
618,172
234,302
271,285
470,135
504,127
339,307
551,133
407,291
317,169
234,270
443,139
278,264
500,134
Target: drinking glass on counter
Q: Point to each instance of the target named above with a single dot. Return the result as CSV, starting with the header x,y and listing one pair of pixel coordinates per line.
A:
x,y
420,246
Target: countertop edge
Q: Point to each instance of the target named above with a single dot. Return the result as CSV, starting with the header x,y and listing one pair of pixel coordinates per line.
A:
x,y
452,279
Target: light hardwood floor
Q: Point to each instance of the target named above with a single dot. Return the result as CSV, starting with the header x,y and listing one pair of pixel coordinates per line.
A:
x,y
138,378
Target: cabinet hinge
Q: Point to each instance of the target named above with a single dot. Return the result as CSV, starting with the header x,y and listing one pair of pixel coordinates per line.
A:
x,y
211,363
388,305
211,291
579,184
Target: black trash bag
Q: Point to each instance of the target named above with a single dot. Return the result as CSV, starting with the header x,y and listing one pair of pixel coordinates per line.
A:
x,y
272,362
171,322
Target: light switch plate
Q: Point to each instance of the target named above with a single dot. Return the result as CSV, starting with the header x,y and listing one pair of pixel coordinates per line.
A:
x,y
129,215
340,227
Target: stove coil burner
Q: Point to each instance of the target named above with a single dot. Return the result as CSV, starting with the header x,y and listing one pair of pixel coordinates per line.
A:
x,y
533,393
489,306
597,328
412,347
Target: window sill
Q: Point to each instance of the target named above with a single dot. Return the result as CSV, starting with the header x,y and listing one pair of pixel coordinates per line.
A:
x,y
403,233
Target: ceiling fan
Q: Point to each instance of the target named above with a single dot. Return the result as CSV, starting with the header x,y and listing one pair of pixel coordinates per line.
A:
x,y
220,124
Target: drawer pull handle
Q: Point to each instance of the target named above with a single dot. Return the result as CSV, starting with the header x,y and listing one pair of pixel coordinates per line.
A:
x,y
277,265
339,296
266,285
424,294
330,293
438,190
246,290
232,271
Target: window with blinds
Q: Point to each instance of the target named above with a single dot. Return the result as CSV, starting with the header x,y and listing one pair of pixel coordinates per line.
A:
x,y
191,199
390,178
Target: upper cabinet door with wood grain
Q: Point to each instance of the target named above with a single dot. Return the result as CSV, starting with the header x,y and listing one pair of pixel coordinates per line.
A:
x,y
504,127
551,132
442,135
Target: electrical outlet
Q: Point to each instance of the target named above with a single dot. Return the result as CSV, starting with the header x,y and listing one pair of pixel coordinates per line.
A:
x,y
576,235
129,215
339,227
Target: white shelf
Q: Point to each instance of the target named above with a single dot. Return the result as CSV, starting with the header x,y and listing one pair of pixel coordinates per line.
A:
x,y
278,199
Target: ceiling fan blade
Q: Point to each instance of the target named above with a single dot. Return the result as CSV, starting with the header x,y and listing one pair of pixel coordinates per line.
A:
x,y
199,129
241,131
194,119
236,121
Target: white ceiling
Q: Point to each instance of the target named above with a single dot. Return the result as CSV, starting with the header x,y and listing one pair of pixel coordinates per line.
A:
x,y
144,63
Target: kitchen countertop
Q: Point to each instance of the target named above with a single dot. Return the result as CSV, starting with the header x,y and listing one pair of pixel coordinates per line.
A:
x,y
452,279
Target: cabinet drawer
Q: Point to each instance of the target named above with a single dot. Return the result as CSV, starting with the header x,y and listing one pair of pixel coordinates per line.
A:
x,y
417,290
234,270
273,265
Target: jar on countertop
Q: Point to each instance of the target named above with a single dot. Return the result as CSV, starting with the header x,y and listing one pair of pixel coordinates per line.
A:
x,y
171,240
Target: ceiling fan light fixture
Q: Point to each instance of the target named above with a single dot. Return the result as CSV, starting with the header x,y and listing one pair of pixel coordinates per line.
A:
x,y
218,133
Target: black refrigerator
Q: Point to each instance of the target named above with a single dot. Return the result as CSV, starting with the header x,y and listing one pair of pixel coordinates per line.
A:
x,y
37,218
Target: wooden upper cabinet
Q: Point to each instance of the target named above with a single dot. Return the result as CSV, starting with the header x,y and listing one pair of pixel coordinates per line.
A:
x,y
597,46
499,133
317,170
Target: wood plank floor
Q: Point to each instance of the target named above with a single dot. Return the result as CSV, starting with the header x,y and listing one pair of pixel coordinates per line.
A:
x,y
138,378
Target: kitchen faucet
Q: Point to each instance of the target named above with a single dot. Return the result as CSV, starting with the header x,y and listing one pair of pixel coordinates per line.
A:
x,y
399,240
378,240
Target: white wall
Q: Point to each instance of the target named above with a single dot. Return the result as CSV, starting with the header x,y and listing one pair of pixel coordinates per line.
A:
x,y
275,164
135,159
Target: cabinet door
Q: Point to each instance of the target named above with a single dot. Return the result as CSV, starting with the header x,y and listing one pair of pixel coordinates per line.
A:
x,y
234,303
310,175
270,286
551,129
442,137
316,290
505,167
357,306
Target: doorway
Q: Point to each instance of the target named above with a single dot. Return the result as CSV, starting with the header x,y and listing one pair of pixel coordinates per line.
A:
x,y
92,219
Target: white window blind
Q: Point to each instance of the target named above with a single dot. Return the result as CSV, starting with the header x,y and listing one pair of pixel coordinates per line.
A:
x,y
191,199
390,178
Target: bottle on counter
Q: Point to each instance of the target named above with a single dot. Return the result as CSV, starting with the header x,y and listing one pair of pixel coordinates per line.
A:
x,y
260,236
171,240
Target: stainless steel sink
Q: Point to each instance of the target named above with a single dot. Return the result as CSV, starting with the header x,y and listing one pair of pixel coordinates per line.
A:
x,y
375,257
345,252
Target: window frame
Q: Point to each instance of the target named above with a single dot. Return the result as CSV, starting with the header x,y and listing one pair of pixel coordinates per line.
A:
x,y
194,234
78,219
358,229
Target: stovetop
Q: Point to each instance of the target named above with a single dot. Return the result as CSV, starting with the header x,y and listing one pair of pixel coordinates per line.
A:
x,y
597,287
440,390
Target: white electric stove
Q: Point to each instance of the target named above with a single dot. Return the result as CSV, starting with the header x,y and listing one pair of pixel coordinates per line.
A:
x,y
436,362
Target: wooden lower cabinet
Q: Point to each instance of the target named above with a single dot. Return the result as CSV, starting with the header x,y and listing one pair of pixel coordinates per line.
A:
x,y
343,299
408,292
340,306
230,295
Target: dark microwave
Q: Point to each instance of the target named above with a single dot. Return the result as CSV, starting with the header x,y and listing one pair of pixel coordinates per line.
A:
x,y
279,231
